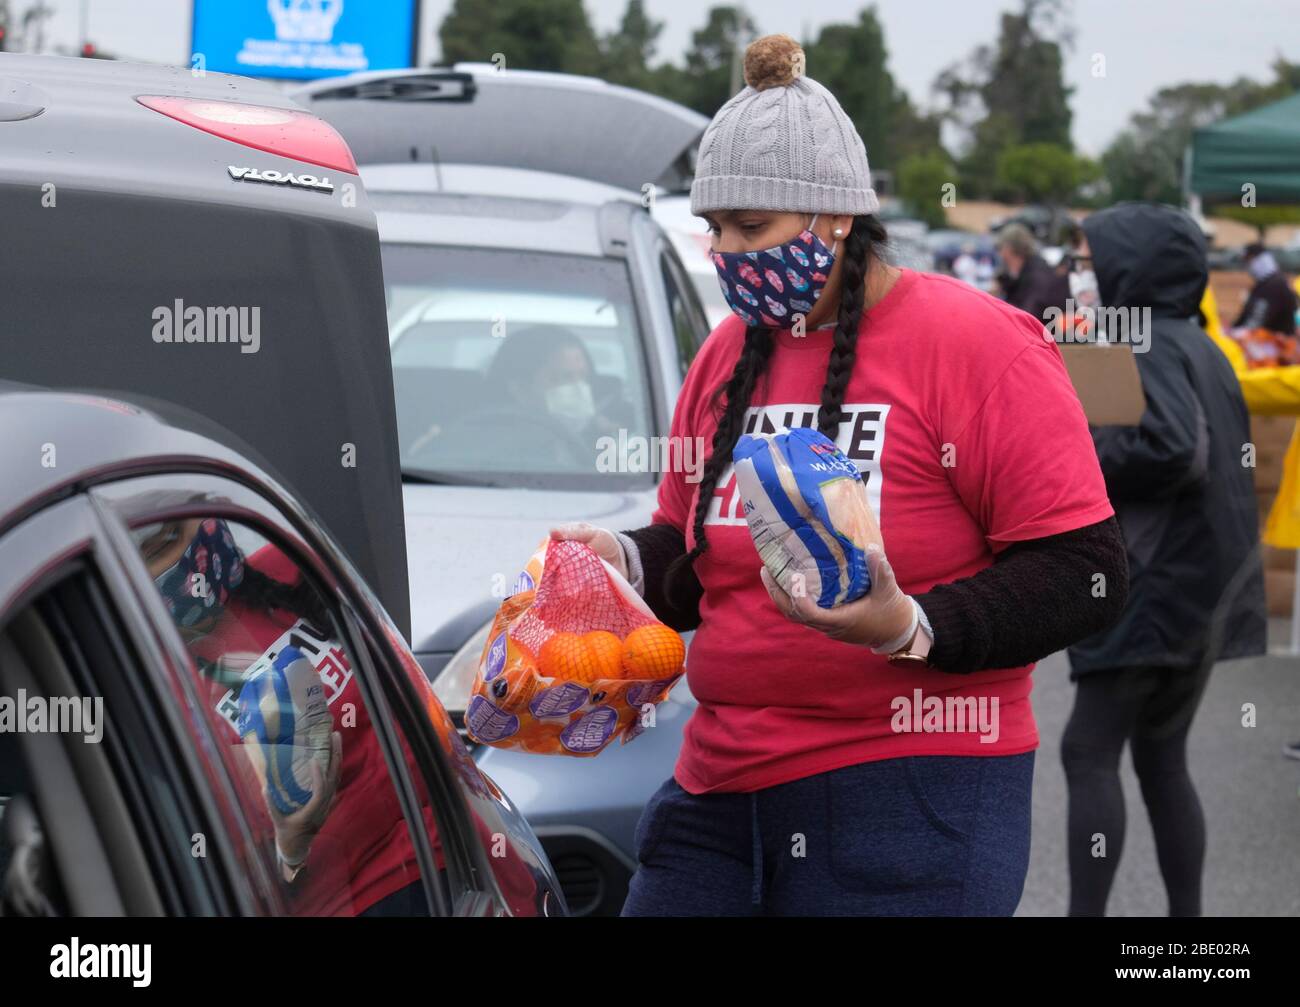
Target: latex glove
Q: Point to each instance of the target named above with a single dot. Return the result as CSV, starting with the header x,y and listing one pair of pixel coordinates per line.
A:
x,y
883,616
604,543
294,832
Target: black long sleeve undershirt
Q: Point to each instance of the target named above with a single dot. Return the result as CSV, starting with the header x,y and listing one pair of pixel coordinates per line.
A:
x,y
1038,597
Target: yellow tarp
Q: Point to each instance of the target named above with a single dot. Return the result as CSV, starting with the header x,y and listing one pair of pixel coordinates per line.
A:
x,y
1268,391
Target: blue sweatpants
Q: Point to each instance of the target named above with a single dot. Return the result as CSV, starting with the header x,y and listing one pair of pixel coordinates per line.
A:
x,y
915,836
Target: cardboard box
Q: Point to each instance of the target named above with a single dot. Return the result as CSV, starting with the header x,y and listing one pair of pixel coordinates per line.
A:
x,y
1105,377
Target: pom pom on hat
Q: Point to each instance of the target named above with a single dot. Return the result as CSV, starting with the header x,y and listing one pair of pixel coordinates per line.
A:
x,y
773,61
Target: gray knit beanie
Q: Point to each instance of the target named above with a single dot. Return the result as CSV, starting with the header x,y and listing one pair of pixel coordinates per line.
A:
x,y
783,143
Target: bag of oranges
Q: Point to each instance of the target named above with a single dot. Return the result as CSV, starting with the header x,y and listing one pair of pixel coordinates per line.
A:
x,y
574,658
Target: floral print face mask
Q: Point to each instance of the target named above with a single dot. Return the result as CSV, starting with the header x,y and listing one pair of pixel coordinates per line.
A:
x,y
196,587
772,286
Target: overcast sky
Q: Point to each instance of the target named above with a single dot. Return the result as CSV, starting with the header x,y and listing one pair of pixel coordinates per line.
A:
x,y
1146,43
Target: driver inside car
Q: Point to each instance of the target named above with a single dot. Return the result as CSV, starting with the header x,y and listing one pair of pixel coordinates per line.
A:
x,y
344,849
548,370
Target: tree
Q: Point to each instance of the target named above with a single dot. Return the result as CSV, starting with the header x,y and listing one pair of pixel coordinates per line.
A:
x,y
530,34
1043,172
921,181
627,53
705,83
852,62
1024,83
1011,92
1143,166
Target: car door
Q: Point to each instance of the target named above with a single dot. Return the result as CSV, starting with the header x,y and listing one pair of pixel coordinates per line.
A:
x,y
393,836
99,808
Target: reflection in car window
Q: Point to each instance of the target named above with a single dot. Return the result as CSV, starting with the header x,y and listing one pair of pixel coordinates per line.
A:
x,y
510,363
282,690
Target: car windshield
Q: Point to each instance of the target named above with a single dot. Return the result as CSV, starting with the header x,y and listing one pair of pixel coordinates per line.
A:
x,y
515,368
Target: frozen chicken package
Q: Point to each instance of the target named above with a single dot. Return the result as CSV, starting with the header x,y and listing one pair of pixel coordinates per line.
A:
x,y
808,514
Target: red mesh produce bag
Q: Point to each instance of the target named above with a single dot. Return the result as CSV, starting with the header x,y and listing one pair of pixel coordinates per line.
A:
x,y
574,659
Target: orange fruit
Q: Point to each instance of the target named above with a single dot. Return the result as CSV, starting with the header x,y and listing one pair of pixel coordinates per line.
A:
x,y
566,656
654,651
606,651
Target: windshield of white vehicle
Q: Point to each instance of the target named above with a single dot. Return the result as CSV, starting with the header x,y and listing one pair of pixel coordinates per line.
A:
x,y
516,368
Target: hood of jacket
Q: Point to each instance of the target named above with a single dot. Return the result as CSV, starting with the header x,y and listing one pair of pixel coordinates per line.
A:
x,y
1148,255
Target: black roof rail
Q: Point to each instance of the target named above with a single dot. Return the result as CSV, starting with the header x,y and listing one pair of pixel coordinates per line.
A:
x,y
435,85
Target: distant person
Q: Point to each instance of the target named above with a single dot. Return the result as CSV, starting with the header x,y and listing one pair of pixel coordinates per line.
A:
x,y
1028,282
1188,510
548,369
1272,301
1081,318
964,267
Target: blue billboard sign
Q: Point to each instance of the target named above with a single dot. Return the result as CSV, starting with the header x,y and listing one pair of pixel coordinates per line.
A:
x,y
304,38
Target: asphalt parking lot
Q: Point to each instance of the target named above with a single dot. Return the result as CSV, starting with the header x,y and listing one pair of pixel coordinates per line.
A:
x,y
1249,790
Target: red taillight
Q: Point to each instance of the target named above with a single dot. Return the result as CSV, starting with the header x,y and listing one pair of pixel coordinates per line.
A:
x,y
284,131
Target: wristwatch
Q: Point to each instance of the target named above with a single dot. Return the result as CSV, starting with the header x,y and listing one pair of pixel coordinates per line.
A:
x,y
905,654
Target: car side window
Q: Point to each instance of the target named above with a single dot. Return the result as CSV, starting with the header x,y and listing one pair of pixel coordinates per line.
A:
x,y
30,884
690,326
282,690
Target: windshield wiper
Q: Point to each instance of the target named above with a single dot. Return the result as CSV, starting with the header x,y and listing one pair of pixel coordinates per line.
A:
x,y
428,477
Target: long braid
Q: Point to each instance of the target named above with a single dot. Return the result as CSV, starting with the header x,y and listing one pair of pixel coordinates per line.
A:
x,y
844,349
866,234
751,363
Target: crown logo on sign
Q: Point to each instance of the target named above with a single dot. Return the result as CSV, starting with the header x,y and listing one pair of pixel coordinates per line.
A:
x,y
304,20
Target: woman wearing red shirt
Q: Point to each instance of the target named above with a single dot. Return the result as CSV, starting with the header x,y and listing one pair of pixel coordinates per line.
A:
x,y
877,757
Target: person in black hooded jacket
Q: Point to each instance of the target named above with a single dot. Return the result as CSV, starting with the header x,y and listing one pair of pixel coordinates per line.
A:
x,y
1182,487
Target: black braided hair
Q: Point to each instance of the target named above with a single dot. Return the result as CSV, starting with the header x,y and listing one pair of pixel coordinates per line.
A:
x,y
301,599
259,591
864,242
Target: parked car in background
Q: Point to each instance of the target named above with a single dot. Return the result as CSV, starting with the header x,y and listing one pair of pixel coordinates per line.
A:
x,y
522,265
1049,224
946,244
1226,258
907,245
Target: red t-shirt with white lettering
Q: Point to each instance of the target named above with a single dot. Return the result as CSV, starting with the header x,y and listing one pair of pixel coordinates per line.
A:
x,y
968,433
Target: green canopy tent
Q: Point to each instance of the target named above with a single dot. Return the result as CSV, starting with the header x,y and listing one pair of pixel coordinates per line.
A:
x,y
1261,147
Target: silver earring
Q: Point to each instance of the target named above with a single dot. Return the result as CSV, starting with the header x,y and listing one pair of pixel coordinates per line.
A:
x,y
839,232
